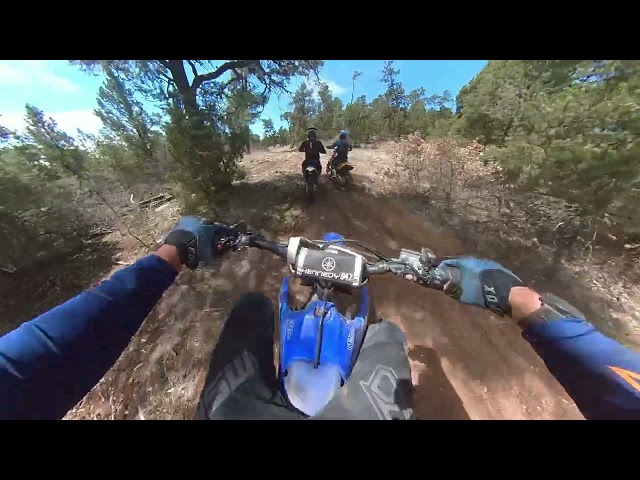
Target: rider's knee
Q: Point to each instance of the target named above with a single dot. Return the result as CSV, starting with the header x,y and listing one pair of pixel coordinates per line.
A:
x,y
384,331
254,305
255,299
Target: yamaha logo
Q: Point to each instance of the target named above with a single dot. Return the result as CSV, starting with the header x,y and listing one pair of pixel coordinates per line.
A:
x,y
328,264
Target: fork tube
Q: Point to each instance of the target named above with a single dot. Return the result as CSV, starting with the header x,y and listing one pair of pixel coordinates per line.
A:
x,y
316,361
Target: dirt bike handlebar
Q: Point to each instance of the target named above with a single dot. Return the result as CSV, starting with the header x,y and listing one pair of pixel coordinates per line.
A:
x,y
276,248
436,277
348,267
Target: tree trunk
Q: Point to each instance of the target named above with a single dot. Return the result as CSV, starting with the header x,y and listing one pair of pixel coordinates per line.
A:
x,y
186,92
201,147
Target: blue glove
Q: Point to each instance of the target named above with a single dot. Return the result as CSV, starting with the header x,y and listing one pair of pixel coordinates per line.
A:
x,y
196,240
483,283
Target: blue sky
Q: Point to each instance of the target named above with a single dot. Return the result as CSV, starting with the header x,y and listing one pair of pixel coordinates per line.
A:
x,y
69,95
435,76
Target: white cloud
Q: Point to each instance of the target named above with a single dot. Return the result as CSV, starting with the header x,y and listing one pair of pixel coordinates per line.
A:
x,y
69,121
314,84
12,120
10,75
333,86
34,73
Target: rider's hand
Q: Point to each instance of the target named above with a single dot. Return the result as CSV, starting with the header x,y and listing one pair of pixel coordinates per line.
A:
x,y
483,283
196,240
524,302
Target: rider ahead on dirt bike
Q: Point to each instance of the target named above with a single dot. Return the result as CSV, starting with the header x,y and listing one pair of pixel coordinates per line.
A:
x,y
342,147
312,148
48,364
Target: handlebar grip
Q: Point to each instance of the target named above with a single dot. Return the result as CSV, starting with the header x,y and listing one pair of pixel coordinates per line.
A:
x,y
375,269
273,247
445,278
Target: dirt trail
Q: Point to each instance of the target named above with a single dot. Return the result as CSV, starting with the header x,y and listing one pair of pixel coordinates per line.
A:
x,y
466,363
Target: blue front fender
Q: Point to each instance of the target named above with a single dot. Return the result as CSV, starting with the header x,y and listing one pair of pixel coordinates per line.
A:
x,y
341,338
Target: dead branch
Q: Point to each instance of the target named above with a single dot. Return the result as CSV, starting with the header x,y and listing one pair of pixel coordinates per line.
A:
x,y
159,202
151,199
99,231
104,200
589,245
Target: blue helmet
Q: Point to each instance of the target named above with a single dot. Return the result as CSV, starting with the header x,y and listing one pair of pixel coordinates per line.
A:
x,y
343,133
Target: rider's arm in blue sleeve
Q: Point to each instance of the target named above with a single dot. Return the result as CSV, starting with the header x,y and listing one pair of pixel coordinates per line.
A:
x,y
601,375
49,363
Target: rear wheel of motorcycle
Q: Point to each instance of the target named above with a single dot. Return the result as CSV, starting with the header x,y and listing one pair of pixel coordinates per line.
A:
x,y
310,189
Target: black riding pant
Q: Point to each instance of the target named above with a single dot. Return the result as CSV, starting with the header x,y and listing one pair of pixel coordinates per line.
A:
x,y
241,382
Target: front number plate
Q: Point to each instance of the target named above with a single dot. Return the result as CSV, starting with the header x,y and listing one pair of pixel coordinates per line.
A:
x,y
331,265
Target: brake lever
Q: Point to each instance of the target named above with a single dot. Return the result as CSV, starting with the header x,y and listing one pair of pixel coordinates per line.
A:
x,y
224,245
425,269
232,237
448,279
246,240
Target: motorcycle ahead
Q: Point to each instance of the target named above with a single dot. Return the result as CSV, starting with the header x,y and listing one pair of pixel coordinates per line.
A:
x,y
311,177
340,174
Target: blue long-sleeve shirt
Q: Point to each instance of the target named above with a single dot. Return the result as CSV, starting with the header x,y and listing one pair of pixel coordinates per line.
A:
x,y
343,148
601,375
49,363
